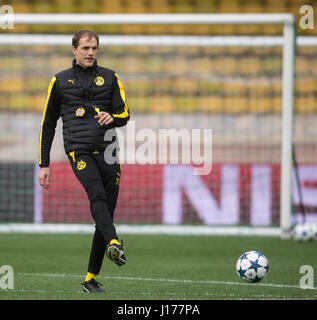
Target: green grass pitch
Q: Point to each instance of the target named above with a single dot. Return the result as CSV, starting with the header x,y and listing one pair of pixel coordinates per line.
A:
x,y
52,266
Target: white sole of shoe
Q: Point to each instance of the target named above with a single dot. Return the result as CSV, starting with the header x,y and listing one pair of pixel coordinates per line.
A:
x,y
115,254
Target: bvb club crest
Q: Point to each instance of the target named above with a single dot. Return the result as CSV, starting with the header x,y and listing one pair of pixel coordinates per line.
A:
x,y
80,112
81,165
99,81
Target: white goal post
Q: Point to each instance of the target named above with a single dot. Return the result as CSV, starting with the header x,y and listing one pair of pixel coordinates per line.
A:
x,y
287,41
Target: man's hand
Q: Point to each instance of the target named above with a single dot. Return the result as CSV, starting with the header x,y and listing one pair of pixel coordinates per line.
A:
x,y
44,177
104,118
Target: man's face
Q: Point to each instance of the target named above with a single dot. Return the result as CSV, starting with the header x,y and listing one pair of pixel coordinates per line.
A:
x,y
86,52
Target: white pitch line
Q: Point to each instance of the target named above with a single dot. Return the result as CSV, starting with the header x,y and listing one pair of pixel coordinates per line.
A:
x,y
140,229
40,291
216,282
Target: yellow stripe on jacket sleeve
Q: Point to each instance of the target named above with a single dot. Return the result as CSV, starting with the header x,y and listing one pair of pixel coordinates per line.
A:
x,y
125,113
43,117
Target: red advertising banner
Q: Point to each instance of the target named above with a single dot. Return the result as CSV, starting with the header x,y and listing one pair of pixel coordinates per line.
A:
x,y
171,194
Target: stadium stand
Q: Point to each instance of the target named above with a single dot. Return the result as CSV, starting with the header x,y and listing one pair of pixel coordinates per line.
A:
x,y
21,90
162,6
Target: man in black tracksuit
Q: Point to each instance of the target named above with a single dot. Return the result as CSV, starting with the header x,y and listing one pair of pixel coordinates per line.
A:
x,y
91,101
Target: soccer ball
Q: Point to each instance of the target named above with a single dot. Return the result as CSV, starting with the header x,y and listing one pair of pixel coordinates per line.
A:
x,y
252,266
304,232
314,231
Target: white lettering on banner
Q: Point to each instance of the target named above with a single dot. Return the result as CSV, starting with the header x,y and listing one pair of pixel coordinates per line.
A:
x,y
308,183
177,178
172,194
261,197
180,177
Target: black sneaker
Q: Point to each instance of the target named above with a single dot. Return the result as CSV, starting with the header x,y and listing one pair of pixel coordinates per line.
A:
x,y
115,253
92,286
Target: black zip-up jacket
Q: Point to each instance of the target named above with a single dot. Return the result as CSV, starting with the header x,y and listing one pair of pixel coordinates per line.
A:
x,y
77,95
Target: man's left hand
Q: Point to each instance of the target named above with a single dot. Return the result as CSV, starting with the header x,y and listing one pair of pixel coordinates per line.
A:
x,y
104,118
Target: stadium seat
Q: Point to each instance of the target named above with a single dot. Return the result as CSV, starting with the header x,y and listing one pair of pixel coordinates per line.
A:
x,y
12,84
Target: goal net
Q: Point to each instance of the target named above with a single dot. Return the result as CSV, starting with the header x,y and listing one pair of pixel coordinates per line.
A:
x,y
176,86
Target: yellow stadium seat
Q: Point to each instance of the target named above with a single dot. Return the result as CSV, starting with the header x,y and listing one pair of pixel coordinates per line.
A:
x,y
305,86
160,104
88,7
229,6
201,64
139,103
212,104
253,7
67,3
276,104
204,104
303,64
306,104
133,6
37,102
21,7
186,85
205,6
36,84
158,6
111,6
181,6
41,7
11,84
19,102
273,6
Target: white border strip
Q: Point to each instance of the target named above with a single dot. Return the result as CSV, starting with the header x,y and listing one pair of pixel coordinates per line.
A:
x,y
145,40
152,19
141,229
149,40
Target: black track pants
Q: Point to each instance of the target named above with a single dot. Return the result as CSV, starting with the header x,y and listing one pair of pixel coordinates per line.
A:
x,y
101,182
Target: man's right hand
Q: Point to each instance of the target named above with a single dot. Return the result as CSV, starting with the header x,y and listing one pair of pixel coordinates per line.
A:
x,y
44,177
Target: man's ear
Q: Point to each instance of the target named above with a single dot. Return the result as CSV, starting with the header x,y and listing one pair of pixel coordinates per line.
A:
x,y
73,50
